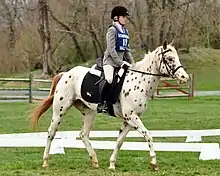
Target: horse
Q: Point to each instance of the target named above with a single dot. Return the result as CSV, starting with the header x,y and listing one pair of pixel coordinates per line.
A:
x,y
139,84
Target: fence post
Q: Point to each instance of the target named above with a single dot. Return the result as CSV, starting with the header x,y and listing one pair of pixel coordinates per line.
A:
x,y
30,87
158,90
191,87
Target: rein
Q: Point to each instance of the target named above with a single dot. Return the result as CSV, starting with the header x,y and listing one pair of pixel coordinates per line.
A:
x,y
167,66
146,73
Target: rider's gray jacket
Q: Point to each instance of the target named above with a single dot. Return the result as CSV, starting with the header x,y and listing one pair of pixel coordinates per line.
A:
x,y
111,56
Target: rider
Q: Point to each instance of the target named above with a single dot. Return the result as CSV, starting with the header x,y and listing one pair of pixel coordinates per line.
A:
x,y
117,54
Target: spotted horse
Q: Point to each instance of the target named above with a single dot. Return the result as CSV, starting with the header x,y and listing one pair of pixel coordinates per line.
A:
x,y
139,85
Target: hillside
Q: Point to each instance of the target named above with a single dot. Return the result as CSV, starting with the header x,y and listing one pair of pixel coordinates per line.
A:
x,y
205,64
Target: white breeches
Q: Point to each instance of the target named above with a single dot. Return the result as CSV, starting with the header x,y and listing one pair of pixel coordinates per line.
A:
x,y
108,71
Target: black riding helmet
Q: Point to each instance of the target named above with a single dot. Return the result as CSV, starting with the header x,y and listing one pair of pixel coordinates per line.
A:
x,y
119,11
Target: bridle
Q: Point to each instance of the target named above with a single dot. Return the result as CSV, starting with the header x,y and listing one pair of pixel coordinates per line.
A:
x,y
171,72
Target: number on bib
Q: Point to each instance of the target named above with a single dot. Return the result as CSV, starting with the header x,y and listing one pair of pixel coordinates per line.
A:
x,y
125,42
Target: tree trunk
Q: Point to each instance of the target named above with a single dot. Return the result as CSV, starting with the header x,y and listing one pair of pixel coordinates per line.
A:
x,y
12,40
150,26
181,33
44,32
139,26
171,34
10,17
95,40
162,26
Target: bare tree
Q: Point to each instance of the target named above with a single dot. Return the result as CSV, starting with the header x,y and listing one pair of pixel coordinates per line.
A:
x,y
9,11
150,25
82,26
44,32
72,35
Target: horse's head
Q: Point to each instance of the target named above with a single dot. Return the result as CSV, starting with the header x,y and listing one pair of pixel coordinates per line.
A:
x,y
169,63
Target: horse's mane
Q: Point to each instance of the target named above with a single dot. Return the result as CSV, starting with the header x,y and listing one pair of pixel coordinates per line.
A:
x,y
146,59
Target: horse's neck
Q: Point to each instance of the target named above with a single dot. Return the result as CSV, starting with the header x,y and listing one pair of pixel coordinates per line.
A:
x,y
149,61
148,65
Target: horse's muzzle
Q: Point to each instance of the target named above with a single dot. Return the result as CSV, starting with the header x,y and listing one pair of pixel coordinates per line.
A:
x,y
183,78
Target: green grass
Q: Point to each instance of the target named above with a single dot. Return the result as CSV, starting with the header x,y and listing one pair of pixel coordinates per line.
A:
x,y
201,113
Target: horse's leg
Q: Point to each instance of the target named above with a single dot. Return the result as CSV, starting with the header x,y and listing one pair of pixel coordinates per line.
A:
x,y
136,122
122,134
88,118
60,106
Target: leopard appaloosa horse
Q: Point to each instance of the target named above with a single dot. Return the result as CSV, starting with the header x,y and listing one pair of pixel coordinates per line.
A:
x,y
139,85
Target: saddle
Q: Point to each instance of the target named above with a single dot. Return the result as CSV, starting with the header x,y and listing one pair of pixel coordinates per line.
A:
x,y
94,78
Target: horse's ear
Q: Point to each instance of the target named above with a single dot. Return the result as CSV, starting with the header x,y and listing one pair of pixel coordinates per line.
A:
x,y
172,43
165,44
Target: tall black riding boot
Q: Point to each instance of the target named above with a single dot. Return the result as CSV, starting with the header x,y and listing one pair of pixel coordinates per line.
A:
x,y
102,105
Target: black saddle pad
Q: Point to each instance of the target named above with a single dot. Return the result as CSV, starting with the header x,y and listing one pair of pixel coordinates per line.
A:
x,y
90,89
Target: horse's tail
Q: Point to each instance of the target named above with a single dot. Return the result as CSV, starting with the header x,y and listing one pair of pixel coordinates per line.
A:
x,y
46,103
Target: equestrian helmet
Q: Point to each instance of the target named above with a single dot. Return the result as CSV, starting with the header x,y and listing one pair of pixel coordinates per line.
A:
x,y
119,11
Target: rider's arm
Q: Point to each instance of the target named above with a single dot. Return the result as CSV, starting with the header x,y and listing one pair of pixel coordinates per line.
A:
x,y
128,56
111,40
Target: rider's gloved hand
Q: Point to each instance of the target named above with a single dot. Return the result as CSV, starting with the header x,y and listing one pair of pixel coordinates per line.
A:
x,y
125,65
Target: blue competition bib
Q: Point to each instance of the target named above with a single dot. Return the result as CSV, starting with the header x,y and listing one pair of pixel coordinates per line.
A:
x,y
122,40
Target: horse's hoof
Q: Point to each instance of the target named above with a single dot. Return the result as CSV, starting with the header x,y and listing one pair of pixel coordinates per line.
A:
x,y
154,167
45,165
112,168
95,165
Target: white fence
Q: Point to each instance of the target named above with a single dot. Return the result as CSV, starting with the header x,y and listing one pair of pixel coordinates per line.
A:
x,y
67,139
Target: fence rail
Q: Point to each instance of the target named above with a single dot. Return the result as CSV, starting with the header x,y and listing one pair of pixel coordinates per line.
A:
x,y
171,89
26,92
32,92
